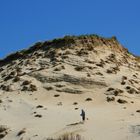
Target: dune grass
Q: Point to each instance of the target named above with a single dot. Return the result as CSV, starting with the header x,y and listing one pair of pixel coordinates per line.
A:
x,y
68,136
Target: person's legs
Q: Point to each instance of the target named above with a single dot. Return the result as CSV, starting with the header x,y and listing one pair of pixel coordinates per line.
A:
x,y
83,117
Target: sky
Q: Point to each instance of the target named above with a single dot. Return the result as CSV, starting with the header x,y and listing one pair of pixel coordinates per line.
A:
x,y
25,22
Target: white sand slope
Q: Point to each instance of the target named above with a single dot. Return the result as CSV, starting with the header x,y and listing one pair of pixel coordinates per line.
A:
x,y
42,94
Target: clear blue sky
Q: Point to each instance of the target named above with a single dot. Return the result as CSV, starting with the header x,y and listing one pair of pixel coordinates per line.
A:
x,y
24,22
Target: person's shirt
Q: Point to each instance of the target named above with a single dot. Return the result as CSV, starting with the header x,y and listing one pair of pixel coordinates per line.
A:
x,y
83,113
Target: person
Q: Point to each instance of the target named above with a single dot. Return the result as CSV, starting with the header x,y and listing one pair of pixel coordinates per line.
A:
x,y
82,115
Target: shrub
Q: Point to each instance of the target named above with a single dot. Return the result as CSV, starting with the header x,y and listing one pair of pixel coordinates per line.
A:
x,y
88,99
59,68
67,136
1,69
39,106
2,136
99,73
3,131
123,83
75,103
8,77
76,108
16,79
6,87
88,75
63,41
18,70
56,95
138,111
110,89
90,47
65,57
26,82
38,115
128,87
2,128
121,101
13,73
109,99
82,52
49,88
124,78
0,101
24,88
33,88
114,92
100,65
109,71
131,90
59,85
79,68
21,132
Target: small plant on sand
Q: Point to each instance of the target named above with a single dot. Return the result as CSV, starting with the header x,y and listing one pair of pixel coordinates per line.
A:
x,y
121,101
88,99
0,101
48,88
75,103
16,79
67,136
2,128
56,95
38,115
109,99
8,77
7,88
21,132
79,68
39,106
3,131
32,88
26,82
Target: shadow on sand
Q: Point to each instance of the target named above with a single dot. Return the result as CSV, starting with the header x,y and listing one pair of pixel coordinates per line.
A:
x,y
77,123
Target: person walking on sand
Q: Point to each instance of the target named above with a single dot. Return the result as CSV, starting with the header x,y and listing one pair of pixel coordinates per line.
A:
x,y
82,115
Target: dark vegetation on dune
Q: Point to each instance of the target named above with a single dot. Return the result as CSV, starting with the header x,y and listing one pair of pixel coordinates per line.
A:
x,y
68,136
3,131
67,41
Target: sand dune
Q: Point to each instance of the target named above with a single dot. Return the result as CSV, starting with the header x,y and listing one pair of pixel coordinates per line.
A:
x,y
44,88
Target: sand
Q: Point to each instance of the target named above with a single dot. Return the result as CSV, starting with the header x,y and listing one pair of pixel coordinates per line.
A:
x,y
47,98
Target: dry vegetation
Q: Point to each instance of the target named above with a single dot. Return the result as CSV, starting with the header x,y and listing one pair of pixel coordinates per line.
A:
x,y
3,131
68,136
